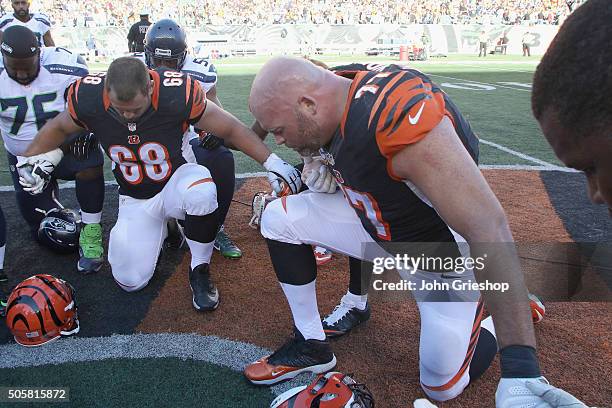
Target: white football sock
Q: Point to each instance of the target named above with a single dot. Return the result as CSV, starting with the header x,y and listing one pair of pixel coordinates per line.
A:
x,y
91,218
200,252
303,303
358,301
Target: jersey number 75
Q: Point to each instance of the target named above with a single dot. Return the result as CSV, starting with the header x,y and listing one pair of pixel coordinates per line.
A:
x,y
21,105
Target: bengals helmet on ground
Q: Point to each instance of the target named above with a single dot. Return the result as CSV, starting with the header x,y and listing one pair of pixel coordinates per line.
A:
x,y
331,390
41,309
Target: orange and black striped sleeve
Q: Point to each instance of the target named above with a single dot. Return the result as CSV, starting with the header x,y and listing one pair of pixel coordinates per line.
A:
x,y
409,112
72,100
195,98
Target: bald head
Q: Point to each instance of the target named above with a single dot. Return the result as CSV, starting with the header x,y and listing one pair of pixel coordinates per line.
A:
x,y
281,78
299,102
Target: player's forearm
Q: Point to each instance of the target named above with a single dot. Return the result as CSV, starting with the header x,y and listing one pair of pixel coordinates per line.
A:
x,y
259,131
243,139
50,137
510,309
226,126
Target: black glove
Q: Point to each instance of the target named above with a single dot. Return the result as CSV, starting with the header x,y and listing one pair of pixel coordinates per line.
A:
x,y
82,144
210,141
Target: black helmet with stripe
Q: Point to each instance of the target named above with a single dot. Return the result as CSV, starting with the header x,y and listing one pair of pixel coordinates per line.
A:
x,y
165,41
59,230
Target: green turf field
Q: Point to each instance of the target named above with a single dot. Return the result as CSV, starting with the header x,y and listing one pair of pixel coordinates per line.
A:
x,y
90,383
151,349
494,94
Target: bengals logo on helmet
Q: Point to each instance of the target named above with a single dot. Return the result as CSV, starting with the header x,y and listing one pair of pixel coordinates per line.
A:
x,y
41,309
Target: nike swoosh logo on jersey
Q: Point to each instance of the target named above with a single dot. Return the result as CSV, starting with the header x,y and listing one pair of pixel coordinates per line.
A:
x,y
414,120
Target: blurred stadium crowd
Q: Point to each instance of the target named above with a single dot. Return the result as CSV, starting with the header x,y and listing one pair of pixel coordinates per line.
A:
x,y
78,13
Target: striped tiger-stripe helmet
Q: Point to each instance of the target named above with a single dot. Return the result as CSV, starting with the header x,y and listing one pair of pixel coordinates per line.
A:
x,y
41,309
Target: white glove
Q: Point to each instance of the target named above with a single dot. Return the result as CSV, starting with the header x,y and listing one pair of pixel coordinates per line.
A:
x,y
317,176
282,172
556,397
533,392
423,403
35,171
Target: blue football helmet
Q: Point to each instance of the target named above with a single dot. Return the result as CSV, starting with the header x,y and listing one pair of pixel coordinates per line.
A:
x,y
165,40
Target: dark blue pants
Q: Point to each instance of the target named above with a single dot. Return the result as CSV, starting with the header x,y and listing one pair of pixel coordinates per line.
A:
x,y
220,163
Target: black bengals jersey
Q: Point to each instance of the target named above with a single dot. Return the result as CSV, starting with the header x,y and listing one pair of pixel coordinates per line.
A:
x,y
389,109
145,153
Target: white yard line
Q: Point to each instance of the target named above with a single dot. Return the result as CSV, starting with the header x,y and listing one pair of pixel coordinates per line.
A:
x,y
525,167
496,68
521,155
479,83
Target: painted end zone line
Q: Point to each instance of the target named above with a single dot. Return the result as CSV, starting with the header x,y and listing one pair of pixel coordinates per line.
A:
x,y
70,184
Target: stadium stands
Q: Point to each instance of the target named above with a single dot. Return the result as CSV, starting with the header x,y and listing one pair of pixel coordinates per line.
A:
x,y
77,13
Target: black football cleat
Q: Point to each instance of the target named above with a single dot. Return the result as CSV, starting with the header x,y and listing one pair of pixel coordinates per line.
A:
x,y
343,319
296,356
204,291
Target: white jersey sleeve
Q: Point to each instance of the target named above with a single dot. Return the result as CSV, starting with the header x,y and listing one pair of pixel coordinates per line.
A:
x,y
25,109
202,70
5,20
65,65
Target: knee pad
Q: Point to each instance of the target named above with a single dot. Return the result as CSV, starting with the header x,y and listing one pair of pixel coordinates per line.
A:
x,y
200,199
134,287
442,374
293,264
202,228
485,352
130,276
130,269
275,223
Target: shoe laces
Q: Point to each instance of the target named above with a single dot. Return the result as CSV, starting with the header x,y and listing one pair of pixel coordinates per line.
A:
x,y
320,251
92,232
339,312
90,240
224,240
287,348
202,279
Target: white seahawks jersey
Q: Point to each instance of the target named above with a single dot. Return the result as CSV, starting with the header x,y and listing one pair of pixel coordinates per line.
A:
x,y
202,70
26,108
38,23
